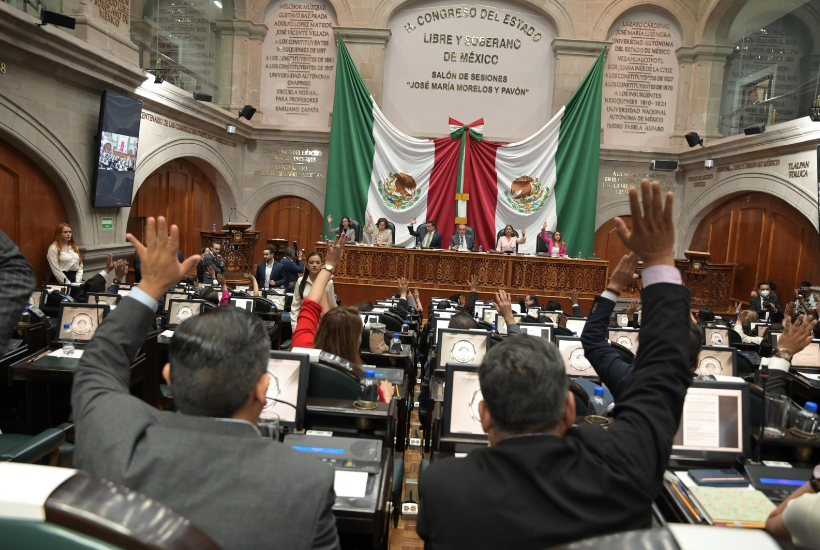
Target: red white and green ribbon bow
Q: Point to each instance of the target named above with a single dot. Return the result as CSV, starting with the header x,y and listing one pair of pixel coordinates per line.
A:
x,y
464,132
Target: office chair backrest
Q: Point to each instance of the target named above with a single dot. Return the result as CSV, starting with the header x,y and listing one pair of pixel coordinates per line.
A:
x,y
541,244
470,231
626,355
581,398
357,227
392,227
332,383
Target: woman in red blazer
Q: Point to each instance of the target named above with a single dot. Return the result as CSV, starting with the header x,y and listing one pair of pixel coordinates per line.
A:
x,y
555,245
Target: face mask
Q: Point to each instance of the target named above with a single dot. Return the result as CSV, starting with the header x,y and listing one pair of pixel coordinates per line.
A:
x,y
764,293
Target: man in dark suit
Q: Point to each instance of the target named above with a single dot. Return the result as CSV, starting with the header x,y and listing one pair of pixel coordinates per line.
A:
x,y
207,461
560,483
292,267
764,301
269,270
213,259
462,241
427,236
16,284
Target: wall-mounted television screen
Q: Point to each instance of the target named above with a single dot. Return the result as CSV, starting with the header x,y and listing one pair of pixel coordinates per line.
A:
x,y
118,131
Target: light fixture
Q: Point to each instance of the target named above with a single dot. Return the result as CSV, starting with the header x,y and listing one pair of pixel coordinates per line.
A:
x,y
709,164
200,96
158,78
247,112
692,138
56,19
218,4
231,129
754,129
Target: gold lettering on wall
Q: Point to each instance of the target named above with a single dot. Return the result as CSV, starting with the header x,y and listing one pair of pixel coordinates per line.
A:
x,y
292,163
622,182
2,68
115,11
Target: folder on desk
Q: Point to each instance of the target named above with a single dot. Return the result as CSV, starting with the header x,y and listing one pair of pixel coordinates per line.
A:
x,y
739,507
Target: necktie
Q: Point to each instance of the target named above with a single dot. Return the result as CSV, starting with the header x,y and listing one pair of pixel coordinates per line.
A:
x,y
462,243
427,240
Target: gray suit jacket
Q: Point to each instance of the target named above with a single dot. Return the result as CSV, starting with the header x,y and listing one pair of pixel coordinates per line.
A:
x,y
242,491
16,284
210,261
455,241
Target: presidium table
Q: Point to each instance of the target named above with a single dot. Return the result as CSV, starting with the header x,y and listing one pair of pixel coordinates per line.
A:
x,y
370,273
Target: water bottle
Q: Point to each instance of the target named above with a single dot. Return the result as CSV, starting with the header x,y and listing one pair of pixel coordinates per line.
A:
x,y
579,255
213,228
481,248
26,316
597,405
368,392
806,419
405,328
68,340
494,328
395,344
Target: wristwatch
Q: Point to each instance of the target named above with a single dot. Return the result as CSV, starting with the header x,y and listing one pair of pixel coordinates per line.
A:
x,y
783,353
815,480
329,268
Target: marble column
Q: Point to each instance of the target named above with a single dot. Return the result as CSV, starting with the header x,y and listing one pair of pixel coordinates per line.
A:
x,y
573,59
366,47
240,62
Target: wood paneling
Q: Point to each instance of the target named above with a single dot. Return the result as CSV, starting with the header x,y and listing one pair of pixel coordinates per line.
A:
x,y
608,245
289,218
766,237
182,193
31,207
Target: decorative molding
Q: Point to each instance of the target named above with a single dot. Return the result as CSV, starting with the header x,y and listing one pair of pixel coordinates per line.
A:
x,y
704,52
363,35
242,27
97,26
584,48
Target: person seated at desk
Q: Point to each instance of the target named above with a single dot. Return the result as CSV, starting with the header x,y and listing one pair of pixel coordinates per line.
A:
x,y
381,235
206,461
744,319
558,482
99,283
338,330
555,245
427,236
797,519
509,242
305,283
344,229
222,299
16,284
461,241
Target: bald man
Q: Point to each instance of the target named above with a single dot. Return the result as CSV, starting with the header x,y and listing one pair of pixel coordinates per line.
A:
x,y
462,241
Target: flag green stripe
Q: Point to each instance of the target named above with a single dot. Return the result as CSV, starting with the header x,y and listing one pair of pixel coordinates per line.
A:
x,y
352,146
579,150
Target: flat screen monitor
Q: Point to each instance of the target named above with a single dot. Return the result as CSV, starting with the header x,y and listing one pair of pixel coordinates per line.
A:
x,y
716,336
479,311
534,312
462,394
488,315
516,307
386,303
180,310
441,324
443,314
242,288
62,289
174,296
808,356
501,324
715,422
551,315
576,325
759,328
118,131
572,352
625,337
717,360
99,298
369,318
462,347
36,298
287,390
277,300
773,336
622,320
84,319
544,331
244,303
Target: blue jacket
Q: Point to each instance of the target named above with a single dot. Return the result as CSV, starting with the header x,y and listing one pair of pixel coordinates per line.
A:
x,y
612,370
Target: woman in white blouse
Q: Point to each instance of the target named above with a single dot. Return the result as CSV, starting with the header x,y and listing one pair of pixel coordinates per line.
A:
x,y
64,257
381,235
507,242
305,283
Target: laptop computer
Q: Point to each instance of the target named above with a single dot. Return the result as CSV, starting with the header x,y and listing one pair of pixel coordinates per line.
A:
x,y
717,360
572,352
287,390
461,347
808,356
180,310
537,329
626,337
461,422
244,303
501,324
576,325
100,298
776,482
714,336
84,320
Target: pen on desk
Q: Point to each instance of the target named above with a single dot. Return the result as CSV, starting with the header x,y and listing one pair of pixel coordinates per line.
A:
x,y
686,502
397,390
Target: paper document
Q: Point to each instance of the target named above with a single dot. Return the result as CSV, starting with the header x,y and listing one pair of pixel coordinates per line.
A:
x,y
76,354
350,484
701,421
167,333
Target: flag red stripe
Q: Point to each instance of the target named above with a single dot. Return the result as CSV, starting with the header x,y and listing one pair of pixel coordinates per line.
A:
x,y
441,199
481,183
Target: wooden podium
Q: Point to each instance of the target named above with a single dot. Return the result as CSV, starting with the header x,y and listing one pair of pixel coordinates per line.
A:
x,y
238,249
711,284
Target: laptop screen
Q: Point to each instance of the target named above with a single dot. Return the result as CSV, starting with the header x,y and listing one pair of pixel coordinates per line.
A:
x,y
84,320
544,331
716,336
625,338
715,421
180,310
244,303
97,298
489,315
716,360
576,325
462,394
287,390
573,354
36,298
808,356
501,324
462,347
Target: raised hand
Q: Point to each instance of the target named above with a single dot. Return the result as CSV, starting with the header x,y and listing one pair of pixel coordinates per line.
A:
x,y
742,317
502,306
544,227
121,270
632,308
523,231
624,273
754,293
653,234
160,266
789,310
413,221
403,286
797,335
573,296
369,221
335,251
562,320
522,298
109,263
417,298
473,283
221,280
329,218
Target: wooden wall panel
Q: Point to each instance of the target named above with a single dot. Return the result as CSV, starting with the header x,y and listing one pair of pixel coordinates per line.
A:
x,y
608,245
31,207
292,219
766,237
182,193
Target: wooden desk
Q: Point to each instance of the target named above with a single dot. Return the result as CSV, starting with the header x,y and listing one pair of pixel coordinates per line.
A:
x,y
442,272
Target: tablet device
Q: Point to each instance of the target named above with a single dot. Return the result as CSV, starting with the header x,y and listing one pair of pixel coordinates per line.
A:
x,y
84,320
717,360
625,337
287,389
462,347
572,352
462,395
180,310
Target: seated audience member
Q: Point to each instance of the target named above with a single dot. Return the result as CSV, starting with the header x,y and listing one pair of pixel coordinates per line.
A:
x,y
292,267
99,283
508,242
805,301
16,283
365,306
795,337
554,305
381,235
612,370
797,519
463,321
210,294
764,301
225,297
557,482
744,319
426,236
305,283
191,281
703,316
462,241
268,271
337,331
188,459
527,301
555,245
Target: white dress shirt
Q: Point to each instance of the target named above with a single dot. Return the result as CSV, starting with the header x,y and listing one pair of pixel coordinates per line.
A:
x,y
268,269
68,261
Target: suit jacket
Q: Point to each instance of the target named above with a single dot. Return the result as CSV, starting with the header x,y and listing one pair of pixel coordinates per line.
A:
x,y
420,235
16,284
387,235
137,266
242,491
536,491
455,242
562,250
290,271
612,370
210,261
275,274
756,304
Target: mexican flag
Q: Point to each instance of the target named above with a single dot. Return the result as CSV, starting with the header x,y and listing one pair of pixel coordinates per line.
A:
x,y
552,176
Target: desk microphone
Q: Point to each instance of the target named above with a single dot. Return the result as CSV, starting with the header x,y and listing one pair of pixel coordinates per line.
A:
x,y
764,377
